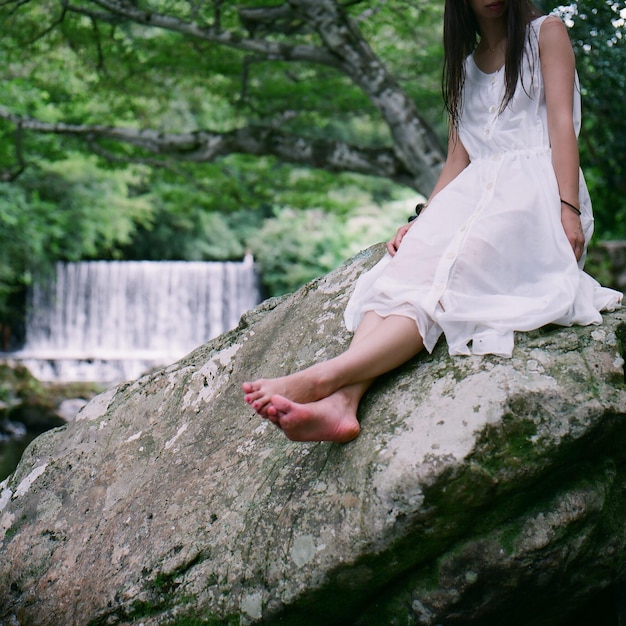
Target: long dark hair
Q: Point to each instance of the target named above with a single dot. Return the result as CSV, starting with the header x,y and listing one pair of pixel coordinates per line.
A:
x,y
461,35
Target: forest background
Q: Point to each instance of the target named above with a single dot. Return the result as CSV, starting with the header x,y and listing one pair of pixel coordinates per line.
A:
x,y
301,131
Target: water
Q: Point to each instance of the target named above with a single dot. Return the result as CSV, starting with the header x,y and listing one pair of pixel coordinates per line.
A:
x,y
11,451
18,427
108,321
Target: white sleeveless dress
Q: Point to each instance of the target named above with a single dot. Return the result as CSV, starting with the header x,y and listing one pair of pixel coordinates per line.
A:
x,y
490,256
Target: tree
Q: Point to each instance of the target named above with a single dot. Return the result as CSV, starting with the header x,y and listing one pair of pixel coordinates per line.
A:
x,y
261,64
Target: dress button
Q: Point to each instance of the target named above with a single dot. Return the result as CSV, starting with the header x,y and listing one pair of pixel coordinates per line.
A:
x,y
486,132
489,186
450,255
492,109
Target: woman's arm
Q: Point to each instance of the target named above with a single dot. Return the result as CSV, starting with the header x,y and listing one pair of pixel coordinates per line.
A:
x,y
558,67
456,161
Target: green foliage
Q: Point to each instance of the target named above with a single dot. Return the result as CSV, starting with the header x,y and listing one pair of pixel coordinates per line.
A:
x,y
188,234
20,238
295,246
65,210
95,210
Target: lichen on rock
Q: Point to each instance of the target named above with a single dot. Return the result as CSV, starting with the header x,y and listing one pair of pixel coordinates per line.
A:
x,y
476,484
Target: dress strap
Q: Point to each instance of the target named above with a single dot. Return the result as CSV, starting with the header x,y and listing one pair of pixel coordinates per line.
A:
x,y
538,21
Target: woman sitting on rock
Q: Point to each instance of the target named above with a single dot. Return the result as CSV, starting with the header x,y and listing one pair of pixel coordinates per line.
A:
x,y
500,245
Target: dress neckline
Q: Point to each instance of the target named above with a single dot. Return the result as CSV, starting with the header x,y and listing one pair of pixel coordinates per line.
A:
x,y
482,71
535,23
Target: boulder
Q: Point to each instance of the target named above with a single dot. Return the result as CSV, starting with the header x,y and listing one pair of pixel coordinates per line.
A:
x,y
482,490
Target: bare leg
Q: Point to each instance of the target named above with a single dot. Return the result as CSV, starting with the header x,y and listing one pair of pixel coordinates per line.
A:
x,y
253,390
380,345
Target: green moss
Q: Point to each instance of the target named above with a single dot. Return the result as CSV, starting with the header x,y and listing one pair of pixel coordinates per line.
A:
x,y
507,445
13,530
620,332
17,384
510,535
148,447
229,620
141,610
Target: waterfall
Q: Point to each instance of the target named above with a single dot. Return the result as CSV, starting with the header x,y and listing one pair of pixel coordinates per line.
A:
x,y
108,321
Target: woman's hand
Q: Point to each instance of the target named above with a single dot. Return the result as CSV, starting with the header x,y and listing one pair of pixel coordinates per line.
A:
x,y
573,229
394,243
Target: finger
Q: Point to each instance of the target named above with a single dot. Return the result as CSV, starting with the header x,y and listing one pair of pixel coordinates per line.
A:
x,y
577,246
395,242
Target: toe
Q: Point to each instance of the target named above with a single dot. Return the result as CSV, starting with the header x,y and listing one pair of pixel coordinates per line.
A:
x,y
253,396
272,415
260,405
254,386
280,404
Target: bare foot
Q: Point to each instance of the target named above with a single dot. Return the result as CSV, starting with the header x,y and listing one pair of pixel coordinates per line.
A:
x,y
329,419
305,386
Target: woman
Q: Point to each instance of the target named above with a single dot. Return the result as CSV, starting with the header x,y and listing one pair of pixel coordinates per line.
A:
x,y
501,243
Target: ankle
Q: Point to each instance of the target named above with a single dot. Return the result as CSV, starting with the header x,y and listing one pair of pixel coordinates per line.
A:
x,y
325,380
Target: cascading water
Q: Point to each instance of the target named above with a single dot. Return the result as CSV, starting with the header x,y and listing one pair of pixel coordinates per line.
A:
x,y
108,321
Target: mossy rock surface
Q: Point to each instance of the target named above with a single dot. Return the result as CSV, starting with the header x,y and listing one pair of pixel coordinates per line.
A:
x,y
476,485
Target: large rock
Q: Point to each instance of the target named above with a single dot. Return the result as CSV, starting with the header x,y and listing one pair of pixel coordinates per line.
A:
x,y
482,490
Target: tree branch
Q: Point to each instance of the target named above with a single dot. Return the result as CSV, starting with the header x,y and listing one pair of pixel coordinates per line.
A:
x,y
271,50
206,146
168,165
17,4
414,141
275,19
416,156
50,28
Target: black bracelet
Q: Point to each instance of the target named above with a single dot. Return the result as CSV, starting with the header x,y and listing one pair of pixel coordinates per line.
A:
x,y
418,209
571,206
